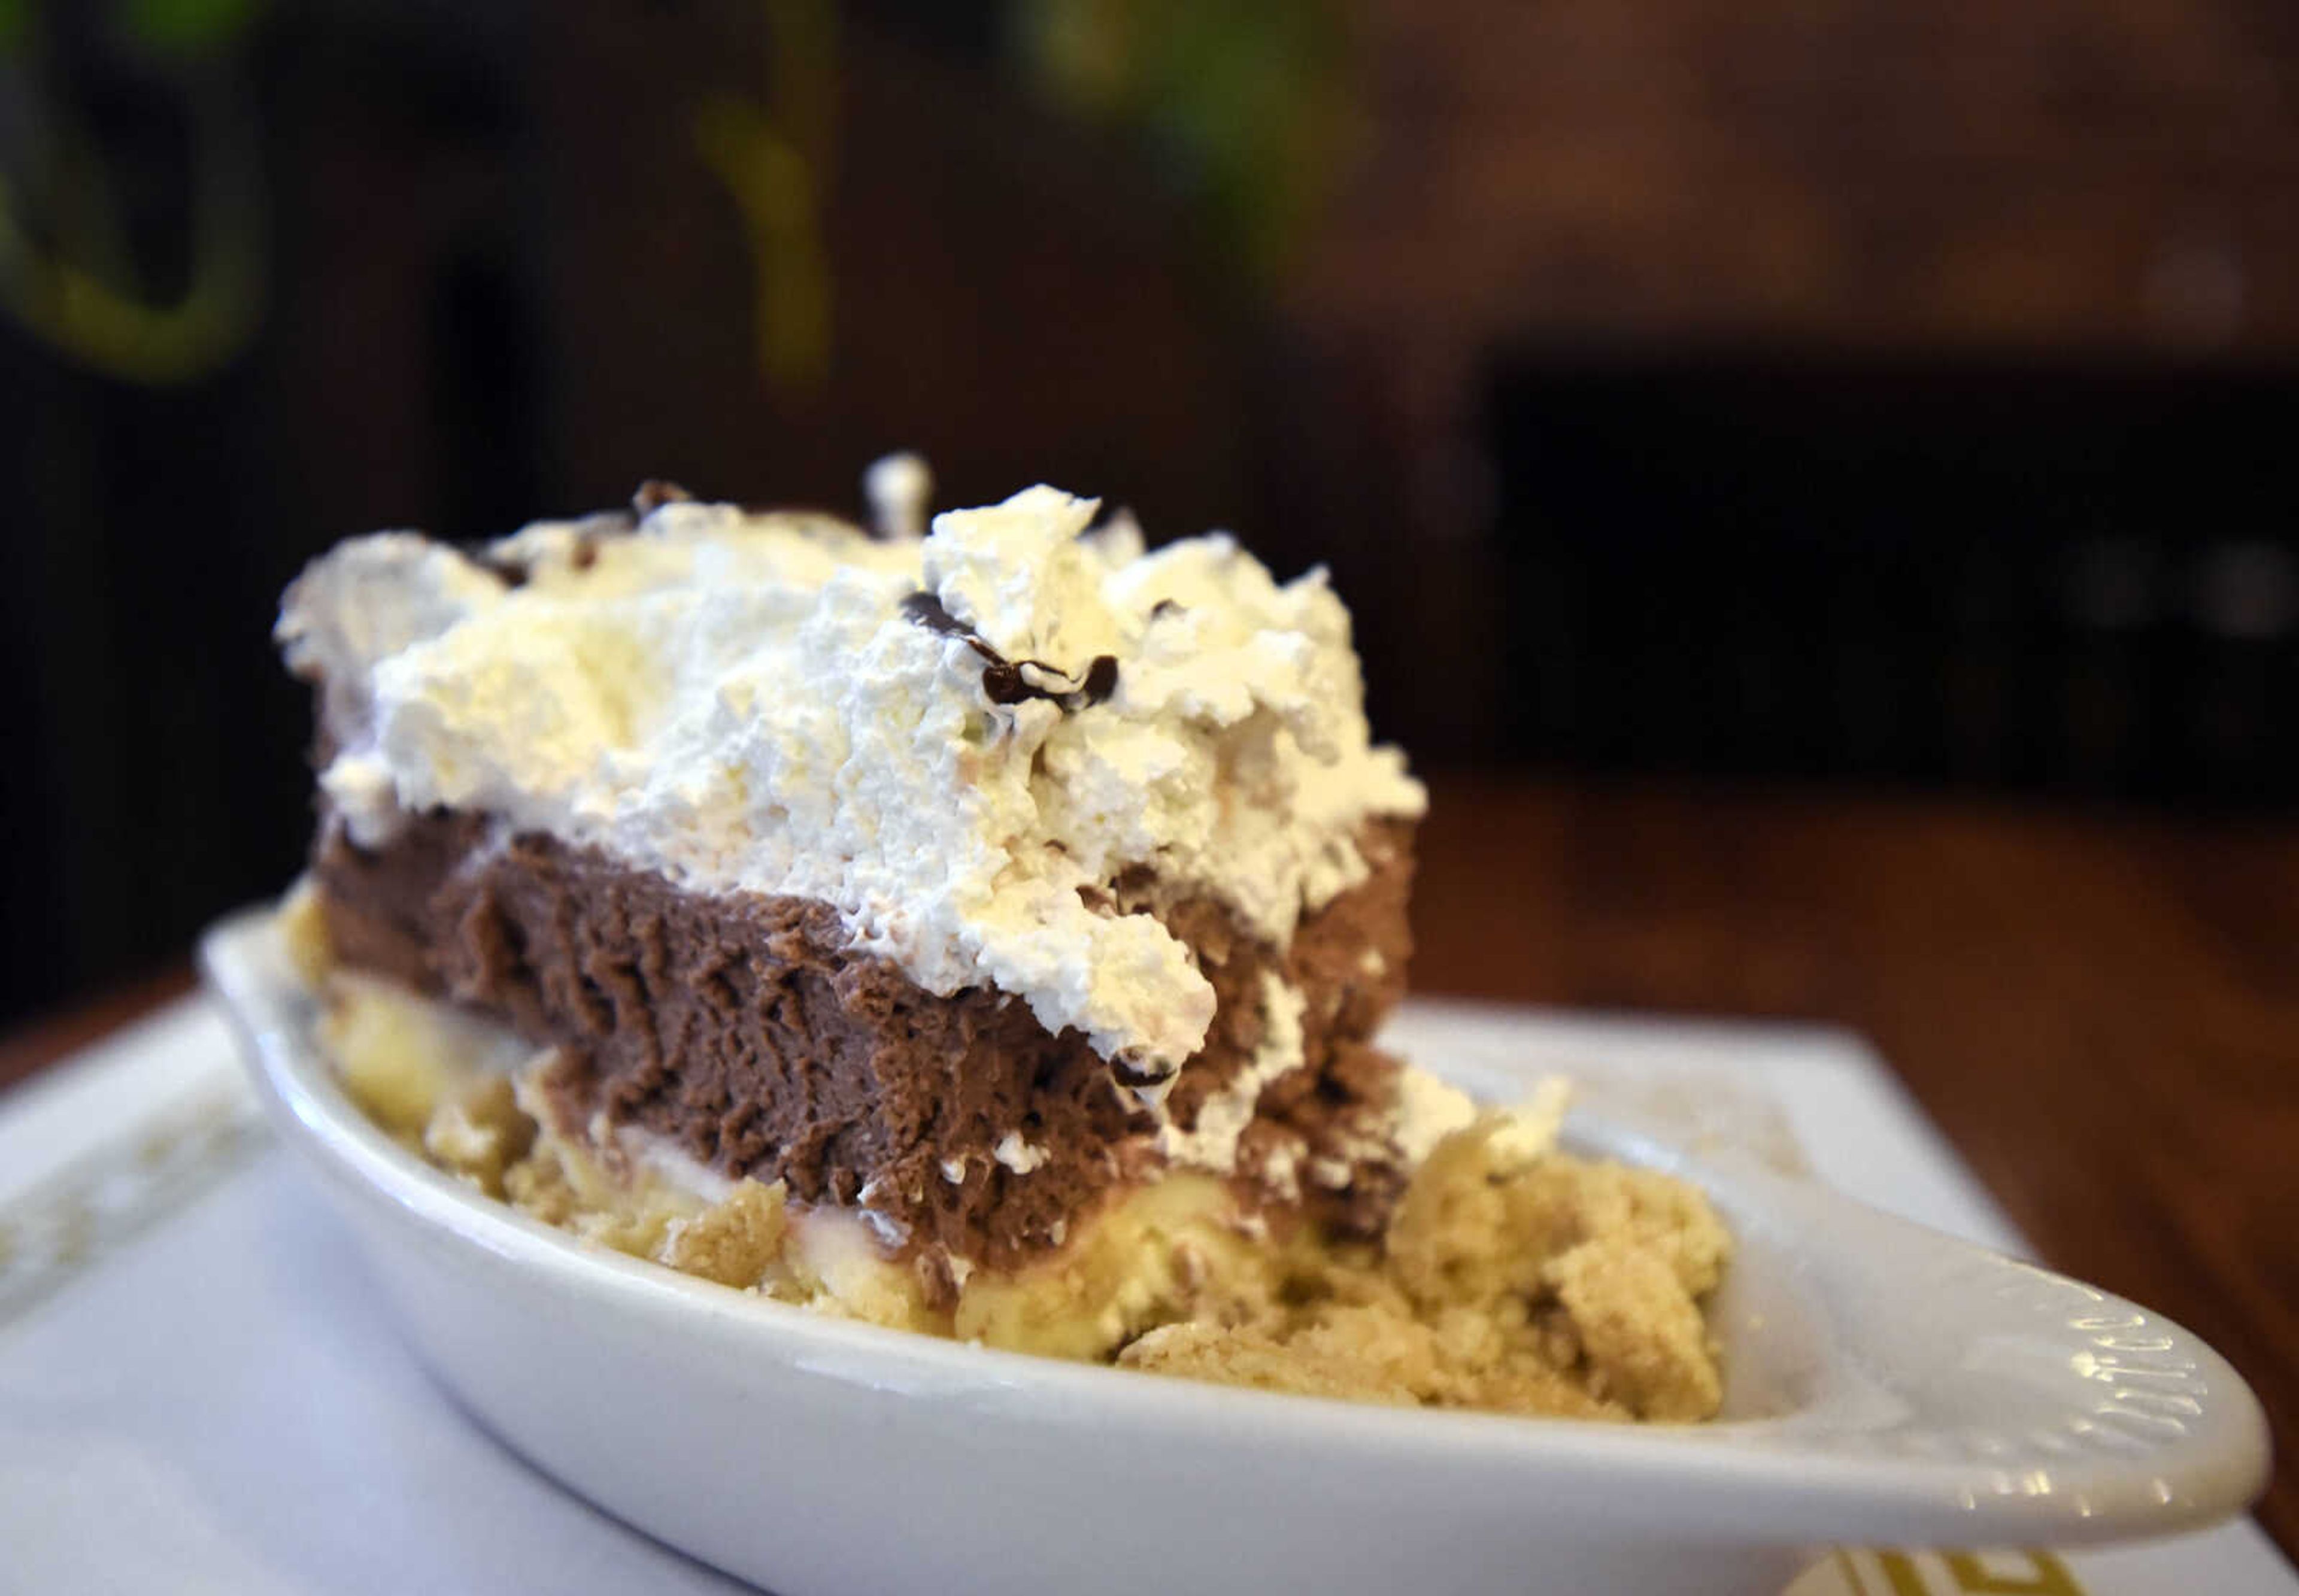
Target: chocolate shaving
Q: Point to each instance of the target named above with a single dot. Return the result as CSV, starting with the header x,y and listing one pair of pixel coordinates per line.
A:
x,y
510,573
654,494
589,533
1132,1075
929,612
1013,681
1163,608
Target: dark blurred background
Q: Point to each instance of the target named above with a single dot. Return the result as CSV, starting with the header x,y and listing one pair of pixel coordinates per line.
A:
x,y
1894,394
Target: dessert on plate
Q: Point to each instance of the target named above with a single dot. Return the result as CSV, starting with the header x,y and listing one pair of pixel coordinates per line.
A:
x,y
980,930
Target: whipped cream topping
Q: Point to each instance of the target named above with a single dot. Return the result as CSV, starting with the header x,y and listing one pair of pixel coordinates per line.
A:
x,y
1018,1155
746,702
1211,1142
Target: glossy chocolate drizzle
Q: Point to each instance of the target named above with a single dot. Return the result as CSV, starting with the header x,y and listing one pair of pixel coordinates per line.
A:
x,y
1011,681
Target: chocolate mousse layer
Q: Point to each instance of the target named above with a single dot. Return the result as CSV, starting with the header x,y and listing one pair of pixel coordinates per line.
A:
x,y
743,1028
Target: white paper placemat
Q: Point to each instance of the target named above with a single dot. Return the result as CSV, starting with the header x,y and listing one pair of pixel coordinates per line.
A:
x,y
200,1390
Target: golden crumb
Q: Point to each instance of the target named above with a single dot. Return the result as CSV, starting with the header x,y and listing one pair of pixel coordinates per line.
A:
x,y
1513,1277
1246,1356
734,1242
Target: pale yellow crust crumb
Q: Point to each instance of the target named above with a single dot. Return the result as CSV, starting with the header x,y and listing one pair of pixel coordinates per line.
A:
x,y
1246,1356
735,1242
1515,1279
1513,1276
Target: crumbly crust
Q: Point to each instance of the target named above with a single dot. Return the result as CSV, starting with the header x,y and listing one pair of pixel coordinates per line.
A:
x,y
1510,1276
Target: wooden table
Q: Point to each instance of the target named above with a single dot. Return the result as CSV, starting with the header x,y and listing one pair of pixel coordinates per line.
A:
x,y
2101,1012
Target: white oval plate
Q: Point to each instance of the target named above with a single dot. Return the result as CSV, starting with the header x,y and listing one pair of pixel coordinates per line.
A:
x,y
1888,1385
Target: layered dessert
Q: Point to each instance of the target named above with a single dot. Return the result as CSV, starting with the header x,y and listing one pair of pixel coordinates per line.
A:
x,y
981,931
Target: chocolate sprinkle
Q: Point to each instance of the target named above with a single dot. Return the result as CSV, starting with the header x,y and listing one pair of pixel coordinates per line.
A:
x,y
1005,681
